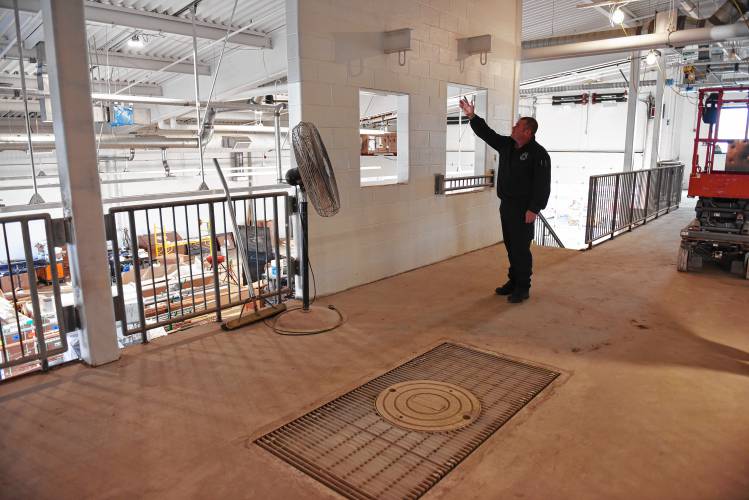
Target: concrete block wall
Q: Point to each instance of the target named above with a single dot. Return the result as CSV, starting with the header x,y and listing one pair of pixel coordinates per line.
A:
x,y
334,49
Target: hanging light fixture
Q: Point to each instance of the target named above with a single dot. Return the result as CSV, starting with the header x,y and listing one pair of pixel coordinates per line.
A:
x,y
617,16
652,57
136,42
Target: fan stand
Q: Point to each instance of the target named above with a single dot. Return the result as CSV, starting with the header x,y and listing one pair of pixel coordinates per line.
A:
x,y
307,319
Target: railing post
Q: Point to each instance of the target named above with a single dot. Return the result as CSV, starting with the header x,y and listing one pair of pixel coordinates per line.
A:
x,y
647,197
439,184
632,201
136,274
290,272
41,339
592,185
110,226
658,194
616,205
214,262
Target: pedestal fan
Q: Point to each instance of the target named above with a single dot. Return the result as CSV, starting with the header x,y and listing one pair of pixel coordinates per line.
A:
x,y
315,181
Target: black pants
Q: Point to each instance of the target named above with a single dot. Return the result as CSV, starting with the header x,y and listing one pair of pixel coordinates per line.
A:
x,y
518,236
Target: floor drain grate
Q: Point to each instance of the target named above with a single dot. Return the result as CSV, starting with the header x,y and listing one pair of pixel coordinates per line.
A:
x,y
348,446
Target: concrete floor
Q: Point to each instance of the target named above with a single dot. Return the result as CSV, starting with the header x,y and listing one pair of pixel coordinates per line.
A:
x,y
653,402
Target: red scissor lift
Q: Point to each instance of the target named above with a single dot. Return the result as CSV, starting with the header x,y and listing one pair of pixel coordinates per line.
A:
x,y
720,230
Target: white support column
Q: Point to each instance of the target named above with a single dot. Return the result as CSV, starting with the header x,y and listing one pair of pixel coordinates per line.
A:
x,y
659,87
65,33
632,99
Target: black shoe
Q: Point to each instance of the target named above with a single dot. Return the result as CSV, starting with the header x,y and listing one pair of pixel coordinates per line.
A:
x,y
518,296
505,289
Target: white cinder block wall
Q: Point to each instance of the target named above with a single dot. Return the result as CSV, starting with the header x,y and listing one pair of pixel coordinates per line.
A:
x,y
334,49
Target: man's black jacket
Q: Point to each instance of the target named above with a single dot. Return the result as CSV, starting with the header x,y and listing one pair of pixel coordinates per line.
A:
x,y
524,173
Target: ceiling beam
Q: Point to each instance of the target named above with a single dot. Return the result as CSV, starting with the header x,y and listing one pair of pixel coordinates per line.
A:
x,y
151,21
144,62
120,60
96,86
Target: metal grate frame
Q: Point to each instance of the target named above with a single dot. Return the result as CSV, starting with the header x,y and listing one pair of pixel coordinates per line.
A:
x,y
346,445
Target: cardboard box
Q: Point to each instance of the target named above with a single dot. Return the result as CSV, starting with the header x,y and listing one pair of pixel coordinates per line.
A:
x,y
20,280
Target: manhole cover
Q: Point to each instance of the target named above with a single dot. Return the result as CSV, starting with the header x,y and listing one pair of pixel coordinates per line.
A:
x,y
428,405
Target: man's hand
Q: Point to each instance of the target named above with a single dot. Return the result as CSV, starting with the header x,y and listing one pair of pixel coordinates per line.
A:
x,y
530,217
467,107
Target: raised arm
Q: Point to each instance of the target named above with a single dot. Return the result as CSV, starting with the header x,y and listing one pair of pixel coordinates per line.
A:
x,y
481,129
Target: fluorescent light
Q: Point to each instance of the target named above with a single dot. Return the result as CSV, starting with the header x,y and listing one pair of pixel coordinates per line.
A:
x,y
136,42
371,131
617,17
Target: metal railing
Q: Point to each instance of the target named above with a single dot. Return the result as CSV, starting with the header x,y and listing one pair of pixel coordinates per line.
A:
x,y
544,235
444,185
31,312
620,201
177,260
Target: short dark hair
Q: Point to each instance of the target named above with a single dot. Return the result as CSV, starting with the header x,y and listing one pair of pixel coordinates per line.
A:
x,y
531,123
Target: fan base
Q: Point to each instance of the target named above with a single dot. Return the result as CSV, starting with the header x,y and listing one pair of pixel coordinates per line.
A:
x,y
318,319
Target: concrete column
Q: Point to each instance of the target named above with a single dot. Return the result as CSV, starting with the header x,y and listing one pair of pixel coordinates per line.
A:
x,y
632,99
65,34
659,87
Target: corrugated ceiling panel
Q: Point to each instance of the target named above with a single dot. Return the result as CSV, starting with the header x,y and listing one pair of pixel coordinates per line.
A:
x,y
264,16
546,18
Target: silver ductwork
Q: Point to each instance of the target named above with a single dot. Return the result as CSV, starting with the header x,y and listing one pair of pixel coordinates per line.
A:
x,y
692,29
206,134
221,129
582,86
637,42
47,142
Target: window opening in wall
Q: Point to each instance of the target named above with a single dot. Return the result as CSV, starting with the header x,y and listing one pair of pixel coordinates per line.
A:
x,y
732,130
383,128
463,157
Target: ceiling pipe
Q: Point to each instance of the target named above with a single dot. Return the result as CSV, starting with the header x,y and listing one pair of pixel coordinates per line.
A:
x,y
222,129
47,142
582,86
277,136
637,42
245,105
728,12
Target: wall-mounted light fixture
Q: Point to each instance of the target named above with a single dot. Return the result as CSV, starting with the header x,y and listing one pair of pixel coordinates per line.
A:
x,y
481,45
398,41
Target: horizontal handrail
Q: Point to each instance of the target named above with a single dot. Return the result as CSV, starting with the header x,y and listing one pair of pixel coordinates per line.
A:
x,y
444,185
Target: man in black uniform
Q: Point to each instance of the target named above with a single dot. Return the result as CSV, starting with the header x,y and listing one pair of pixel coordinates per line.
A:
x,y
523,186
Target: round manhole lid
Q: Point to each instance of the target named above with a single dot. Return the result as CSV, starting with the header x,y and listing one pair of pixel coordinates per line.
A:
x,y
428,405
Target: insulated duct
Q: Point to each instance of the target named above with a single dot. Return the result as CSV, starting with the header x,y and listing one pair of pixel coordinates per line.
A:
x,y
582,86
47,142
223,128
645,37
637,42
